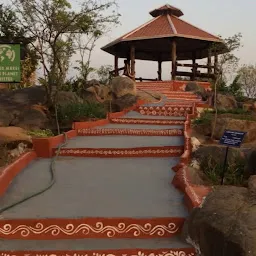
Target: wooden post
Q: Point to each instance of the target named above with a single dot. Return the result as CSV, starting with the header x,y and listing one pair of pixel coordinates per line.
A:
x,y
116,66
174,59
132,57
209,62
216,61
159,70
194,69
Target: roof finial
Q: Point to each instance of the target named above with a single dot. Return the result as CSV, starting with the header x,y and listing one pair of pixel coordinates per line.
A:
x,y
167,9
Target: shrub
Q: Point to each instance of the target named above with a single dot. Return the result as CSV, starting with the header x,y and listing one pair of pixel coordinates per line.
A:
x,y
204,119
79,111
234,174
236,111
41,133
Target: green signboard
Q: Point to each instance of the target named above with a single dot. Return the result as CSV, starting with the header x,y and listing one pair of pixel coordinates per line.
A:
x,y
10,71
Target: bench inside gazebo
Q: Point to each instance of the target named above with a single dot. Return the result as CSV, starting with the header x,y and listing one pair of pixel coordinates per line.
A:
x,y
168,38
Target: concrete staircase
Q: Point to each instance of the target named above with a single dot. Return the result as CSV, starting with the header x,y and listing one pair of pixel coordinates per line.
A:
x,y
112,197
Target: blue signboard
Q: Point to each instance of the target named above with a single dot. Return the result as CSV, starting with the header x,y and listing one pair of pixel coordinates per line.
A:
x,y
232,138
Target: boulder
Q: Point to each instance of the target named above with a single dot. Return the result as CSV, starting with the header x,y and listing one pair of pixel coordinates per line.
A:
x,y
226,102
149,96
64,98
225,224
250,167
195,144
121,86
217,153
5,117
197,89
235,124
13,134
90,83
123,102
31,119
29,96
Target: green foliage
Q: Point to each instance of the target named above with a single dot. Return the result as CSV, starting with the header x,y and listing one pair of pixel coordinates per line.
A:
x,y
205,118
80,111
234,88
247,79
234,173
11,31
41,133
103,74
54,24
236,111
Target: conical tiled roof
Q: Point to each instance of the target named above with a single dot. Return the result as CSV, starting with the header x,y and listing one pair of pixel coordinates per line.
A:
x,y
166,24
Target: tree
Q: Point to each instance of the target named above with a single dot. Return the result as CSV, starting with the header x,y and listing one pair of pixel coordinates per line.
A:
x,y
227,63
103,74
54,24
247,79
13,32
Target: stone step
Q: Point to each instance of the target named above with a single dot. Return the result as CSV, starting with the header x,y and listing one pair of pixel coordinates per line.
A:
x,y
135,114
96,187
97,247
123,142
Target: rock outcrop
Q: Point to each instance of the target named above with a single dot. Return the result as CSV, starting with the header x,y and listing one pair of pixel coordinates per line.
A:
x,y
226,102
217,153
235,124
226,222
13,134
197,89
121,86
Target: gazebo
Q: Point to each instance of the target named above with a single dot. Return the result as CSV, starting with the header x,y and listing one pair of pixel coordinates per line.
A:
x,y
167,38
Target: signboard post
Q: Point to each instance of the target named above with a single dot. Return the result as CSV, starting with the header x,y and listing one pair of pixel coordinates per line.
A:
x,y
10,68
230,138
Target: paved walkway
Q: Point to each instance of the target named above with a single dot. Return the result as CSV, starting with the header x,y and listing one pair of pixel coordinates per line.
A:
x,y
101,188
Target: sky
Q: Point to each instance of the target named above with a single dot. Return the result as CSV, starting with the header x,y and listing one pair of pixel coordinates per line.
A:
x,y
219,17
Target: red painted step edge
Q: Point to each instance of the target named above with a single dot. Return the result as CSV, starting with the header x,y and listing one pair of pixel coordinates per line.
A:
x,y
8,173
167,151
132,132
48,229
126,252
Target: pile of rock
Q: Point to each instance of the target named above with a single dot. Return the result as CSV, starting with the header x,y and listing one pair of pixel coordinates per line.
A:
x,y
226,222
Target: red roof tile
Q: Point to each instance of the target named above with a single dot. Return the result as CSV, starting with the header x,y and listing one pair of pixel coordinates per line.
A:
x,y
186,29
158,27
166,24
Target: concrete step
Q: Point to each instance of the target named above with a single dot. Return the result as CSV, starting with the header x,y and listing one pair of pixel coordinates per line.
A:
x,y
96,187
90,246
127,142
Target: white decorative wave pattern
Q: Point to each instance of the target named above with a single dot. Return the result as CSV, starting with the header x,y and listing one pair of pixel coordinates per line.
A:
x,y
86,229
152,132
120,152
141,121
139,253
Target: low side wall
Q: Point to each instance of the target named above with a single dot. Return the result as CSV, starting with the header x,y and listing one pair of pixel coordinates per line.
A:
x,y
194,194
8,173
